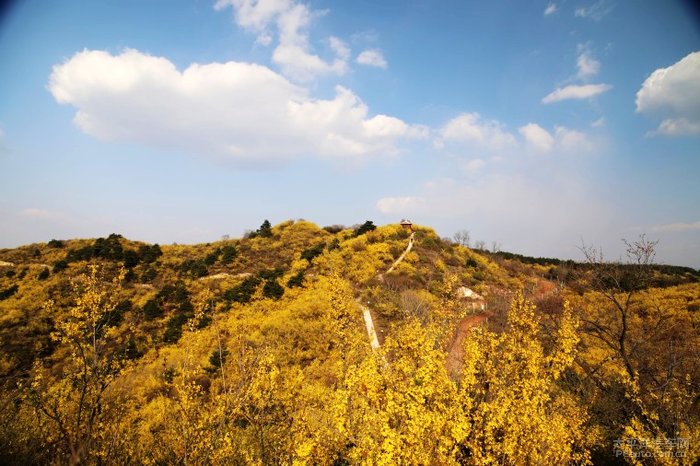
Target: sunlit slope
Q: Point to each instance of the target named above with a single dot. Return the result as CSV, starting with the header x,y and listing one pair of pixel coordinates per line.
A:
x,y
255,351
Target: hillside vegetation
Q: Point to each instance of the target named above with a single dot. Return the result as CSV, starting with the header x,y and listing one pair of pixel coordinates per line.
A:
x,y
254,351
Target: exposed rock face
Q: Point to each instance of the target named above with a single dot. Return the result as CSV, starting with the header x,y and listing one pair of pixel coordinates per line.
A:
x,y
476,300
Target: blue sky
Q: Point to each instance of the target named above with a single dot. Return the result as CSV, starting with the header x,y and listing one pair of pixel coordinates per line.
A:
x,y
535,125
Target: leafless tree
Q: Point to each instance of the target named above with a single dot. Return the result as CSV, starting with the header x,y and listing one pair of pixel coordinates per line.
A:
x,y
651,344
618,282
462,238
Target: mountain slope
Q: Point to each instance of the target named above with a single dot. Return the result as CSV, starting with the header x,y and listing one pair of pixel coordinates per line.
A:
x,y
255,350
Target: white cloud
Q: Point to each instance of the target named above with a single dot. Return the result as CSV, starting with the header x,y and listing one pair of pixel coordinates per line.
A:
x,y
571,140
596,11
264,39
585,63
537,137
676,88
551,8
291,20
509,208
678,227
234,111
470,128
400,205
299,65
677,127
599,123
255,14
473,166
293,52
575,91
372,57
564,139
340,48
675,93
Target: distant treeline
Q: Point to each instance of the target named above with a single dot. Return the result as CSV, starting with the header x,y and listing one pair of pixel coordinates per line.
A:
x,y
665,275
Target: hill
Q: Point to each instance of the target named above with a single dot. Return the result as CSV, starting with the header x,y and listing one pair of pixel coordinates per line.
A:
x,y
256,350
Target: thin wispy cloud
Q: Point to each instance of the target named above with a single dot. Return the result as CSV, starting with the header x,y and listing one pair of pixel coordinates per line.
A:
x,y
586,64
410,205
289,21
473,166
372,57
34,212
677,227
676,127
595,11
551,8
575,92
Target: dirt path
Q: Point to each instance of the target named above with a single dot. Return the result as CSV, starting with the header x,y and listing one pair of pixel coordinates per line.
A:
x,y
401,257
373,340
455,351
366,313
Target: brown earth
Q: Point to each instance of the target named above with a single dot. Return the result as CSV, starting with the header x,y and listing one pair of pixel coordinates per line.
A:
x,y
455,350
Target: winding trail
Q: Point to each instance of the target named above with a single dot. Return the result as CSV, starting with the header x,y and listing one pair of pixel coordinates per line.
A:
x,y
373,340
401,257
367,313
455,350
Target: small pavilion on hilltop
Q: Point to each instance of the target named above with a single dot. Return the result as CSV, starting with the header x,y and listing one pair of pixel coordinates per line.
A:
x,y
407,224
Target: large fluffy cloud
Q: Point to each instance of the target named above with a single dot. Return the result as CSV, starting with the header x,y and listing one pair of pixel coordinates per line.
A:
x,y
238,111
674,93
